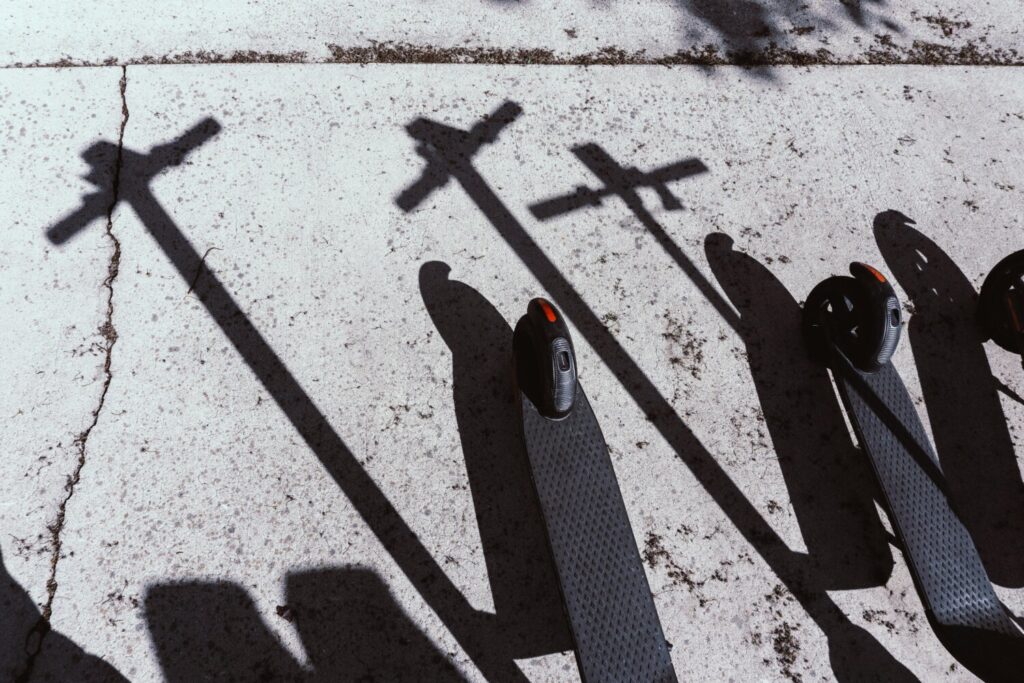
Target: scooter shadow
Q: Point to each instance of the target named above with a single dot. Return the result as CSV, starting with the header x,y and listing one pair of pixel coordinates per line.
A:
x,y
968,426
24,653
830,486
524,587
350,626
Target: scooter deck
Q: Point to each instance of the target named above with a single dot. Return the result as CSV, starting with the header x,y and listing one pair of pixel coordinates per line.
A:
x,y
938,548
611,612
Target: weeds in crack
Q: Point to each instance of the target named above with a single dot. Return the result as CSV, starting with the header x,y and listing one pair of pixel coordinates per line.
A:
x,y
883,50
35,637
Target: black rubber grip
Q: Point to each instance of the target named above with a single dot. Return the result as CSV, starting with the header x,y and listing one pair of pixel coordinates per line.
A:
x,y
938,548
611,612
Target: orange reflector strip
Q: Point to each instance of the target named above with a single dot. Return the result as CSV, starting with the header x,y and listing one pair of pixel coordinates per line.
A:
x,y
549,312
878,276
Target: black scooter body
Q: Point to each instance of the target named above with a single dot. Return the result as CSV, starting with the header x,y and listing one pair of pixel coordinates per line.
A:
x,y
1001,304
611,613
944,562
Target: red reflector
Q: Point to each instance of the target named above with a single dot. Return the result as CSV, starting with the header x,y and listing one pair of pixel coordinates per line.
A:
x,y
549,312
878,276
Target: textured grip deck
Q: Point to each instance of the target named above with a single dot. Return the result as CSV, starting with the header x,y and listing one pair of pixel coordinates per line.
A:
x,y
608,601
938,548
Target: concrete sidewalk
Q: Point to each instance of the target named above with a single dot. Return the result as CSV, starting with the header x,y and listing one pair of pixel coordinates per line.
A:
x,y
259,418
573,31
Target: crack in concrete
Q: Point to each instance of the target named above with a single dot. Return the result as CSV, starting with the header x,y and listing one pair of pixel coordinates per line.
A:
x,y
34,639
883,51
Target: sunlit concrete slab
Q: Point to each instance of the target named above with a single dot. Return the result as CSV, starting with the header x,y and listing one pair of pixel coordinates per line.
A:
x,y
307,461
681,31
54,331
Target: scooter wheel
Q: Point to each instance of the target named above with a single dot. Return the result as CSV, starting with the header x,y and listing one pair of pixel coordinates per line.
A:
x,y
995,308
858,316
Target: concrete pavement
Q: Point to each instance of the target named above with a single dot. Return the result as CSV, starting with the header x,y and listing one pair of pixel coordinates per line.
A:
x,y
303,462
55,334
575,31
